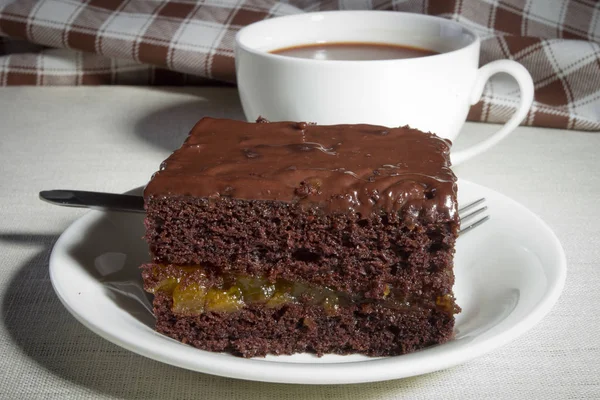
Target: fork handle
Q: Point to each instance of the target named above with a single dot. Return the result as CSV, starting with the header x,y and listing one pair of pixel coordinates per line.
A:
x,y
94,200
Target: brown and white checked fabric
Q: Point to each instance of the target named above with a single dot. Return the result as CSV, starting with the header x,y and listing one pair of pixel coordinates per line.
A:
x,y
186,42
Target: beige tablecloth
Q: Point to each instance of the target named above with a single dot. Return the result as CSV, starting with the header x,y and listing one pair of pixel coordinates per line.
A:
x,y
113,138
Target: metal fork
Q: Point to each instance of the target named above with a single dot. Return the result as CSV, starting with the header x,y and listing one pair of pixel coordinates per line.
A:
x,y
470,216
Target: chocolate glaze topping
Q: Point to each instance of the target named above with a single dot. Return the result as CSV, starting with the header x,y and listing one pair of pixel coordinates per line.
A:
x,y
360,168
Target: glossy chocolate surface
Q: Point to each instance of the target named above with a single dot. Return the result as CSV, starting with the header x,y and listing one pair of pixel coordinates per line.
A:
x,y
356,168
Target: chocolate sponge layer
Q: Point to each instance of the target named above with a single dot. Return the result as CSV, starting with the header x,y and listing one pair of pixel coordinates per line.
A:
x,y
296,328
279,240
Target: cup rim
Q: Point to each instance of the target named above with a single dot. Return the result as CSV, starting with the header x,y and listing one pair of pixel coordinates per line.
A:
x,y
239,45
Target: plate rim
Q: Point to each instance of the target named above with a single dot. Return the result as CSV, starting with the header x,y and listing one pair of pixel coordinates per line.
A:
x,y
319,373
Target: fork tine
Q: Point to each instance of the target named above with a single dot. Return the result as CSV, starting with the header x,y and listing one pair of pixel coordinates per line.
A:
x,y
473,225
471,205
474,213
471,215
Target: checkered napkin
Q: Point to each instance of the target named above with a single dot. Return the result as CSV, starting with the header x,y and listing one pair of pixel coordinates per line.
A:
x,y
186,42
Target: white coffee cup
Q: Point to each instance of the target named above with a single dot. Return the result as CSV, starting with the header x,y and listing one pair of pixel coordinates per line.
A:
x,y
430,93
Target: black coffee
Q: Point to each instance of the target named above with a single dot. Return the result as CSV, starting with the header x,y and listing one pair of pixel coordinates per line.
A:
x,y
353,51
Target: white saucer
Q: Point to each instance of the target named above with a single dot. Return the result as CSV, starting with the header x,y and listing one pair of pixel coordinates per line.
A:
x,y
509,273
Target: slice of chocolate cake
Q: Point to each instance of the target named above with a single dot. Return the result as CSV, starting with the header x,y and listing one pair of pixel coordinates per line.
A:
x,y
279,238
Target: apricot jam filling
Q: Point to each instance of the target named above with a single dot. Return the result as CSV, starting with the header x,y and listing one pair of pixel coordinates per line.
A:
x,y
197,296
239,290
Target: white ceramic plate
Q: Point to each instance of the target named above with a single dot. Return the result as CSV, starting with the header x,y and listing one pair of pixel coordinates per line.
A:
x,y
509,273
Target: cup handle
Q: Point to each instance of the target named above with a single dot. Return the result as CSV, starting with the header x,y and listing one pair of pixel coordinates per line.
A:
x,y
525,83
